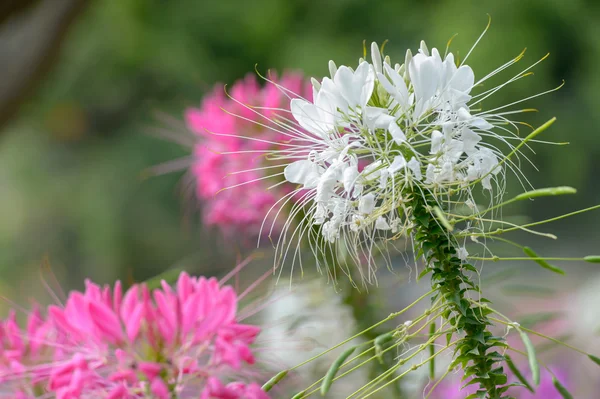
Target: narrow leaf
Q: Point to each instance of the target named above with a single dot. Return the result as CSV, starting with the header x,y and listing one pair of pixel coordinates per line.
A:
x,y
383,339
331,373
299,395
561,389
432,351
592,258
533,364
531,253
517,373
379,343
595,359
274,380
442,218
545,192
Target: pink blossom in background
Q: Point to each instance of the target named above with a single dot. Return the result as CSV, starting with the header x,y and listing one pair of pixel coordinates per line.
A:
x,y
112,344
241,209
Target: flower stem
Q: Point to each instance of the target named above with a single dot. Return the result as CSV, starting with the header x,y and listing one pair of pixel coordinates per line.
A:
x,y
478,351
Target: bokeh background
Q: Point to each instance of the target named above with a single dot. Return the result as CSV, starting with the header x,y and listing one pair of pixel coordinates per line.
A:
x,y
83,84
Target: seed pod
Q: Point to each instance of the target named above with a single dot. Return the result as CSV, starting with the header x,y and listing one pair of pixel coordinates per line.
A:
x,y
331,373
274,380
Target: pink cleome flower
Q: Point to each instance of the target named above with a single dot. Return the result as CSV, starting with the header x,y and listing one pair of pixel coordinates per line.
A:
x,y
221,152
182,341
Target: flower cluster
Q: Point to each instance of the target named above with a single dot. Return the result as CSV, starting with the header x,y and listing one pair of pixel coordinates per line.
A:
x,y
182,341
377,135
237,126
305,322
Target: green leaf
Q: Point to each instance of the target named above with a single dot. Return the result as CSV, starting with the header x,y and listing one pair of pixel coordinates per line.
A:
x,y
379,342
432,351
170,276
423,273
331,373
533,364
545,192
561,389
595,359
531,253
299,395
592,258
273,381
384,339
442,218
517,373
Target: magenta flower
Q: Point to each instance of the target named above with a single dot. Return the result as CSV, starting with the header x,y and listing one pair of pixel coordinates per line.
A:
x,y
222,151
182,341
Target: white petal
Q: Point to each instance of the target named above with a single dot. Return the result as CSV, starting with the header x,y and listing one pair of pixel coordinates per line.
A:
x,y
462,253
398,163
481,123
436,141
302,172
425,76
308,116
430,174
463,114
423,48
415,168
470,139
397,80
376,58
326,185
316,86
377,118
397,133
477,122
332,68
382,224
349,178
366,203
486,182
463,79
356,87
330,100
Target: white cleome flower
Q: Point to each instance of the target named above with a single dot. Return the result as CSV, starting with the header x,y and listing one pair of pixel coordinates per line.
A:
x,y
303,323
375,136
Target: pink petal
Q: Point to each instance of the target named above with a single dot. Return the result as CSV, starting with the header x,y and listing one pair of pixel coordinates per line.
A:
x,y
106,321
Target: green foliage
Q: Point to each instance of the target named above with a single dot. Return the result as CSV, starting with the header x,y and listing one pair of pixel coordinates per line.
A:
x,y
478,352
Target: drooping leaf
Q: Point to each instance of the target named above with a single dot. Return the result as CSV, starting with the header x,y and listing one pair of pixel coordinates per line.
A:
x,y
333,370
518,373
533,363
595,359
561,389
531,253
274,380
545,192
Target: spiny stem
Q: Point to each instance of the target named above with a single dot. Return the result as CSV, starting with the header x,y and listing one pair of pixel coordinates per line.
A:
x,y
476,350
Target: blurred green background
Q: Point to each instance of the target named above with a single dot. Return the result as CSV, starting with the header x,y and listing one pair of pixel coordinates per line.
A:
x,y
77,113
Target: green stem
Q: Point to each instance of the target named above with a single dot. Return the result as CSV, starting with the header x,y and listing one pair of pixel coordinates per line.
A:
x,y
478,352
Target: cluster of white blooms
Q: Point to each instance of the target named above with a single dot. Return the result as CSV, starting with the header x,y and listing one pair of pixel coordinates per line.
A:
x,y
373,130
376,136
304,322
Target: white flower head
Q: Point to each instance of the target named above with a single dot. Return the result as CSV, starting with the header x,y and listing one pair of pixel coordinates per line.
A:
x,y
376,135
